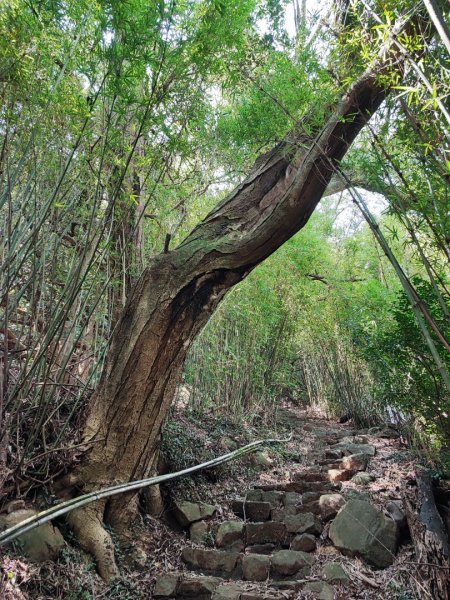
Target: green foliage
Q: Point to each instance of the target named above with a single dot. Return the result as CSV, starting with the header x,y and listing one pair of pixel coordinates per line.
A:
x,y
274,95
122,123
407,371
181,446
283,334
323,321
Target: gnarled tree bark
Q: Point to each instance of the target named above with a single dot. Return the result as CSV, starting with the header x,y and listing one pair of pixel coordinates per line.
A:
x,y
177,293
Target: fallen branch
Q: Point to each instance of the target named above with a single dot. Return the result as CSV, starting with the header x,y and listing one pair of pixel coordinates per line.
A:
x,y
65,507
429,538
364,578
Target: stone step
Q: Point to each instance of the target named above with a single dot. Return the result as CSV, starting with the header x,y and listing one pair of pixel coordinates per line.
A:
x,y
287,522
330,463
309,476
252,510
333,453
302,487
303,523
176,585
237,535
258,503
326,506
270,532
292,499
348,448
336,475
180,586
268,551
187,513
223,563
249,567
231,535
270,494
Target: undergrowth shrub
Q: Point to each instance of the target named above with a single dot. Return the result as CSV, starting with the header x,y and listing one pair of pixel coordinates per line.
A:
x,y
338,382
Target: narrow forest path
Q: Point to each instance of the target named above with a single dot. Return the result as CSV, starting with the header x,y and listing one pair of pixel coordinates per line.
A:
x,y
326,523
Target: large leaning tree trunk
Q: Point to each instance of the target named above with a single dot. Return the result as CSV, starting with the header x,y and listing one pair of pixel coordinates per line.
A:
x,y
176,295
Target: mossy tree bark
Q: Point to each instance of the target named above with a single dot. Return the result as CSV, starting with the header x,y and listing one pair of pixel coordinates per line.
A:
x,y
176,295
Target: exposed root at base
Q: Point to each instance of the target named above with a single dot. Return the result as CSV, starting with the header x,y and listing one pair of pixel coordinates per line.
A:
x,y
152,501
87,524
122,513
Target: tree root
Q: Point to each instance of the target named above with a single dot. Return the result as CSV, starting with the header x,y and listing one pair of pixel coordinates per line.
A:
x,y
122,513
152,501
87,524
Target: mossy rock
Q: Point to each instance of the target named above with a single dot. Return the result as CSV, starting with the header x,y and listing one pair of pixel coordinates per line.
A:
x,y
361,530
40,544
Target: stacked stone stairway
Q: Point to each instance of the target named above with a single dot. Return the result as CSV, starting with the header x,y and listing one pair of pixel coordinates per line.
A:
x,y
268,550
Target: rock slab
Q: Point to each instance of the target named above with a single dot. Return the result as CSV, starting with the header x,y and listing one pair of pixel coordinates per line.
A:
x,y
256,567
190,512
230,534
166,586
305,542
252,510
333,573
210,560
303,523
198,532
320,590
359,529
329,505
290,562
270,532
40,544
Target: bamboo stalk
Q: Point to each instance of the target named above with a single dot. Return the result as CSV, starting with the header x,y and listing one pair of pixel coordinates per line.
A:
x,y
401,211
417,305
417,68
65,507
438,21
